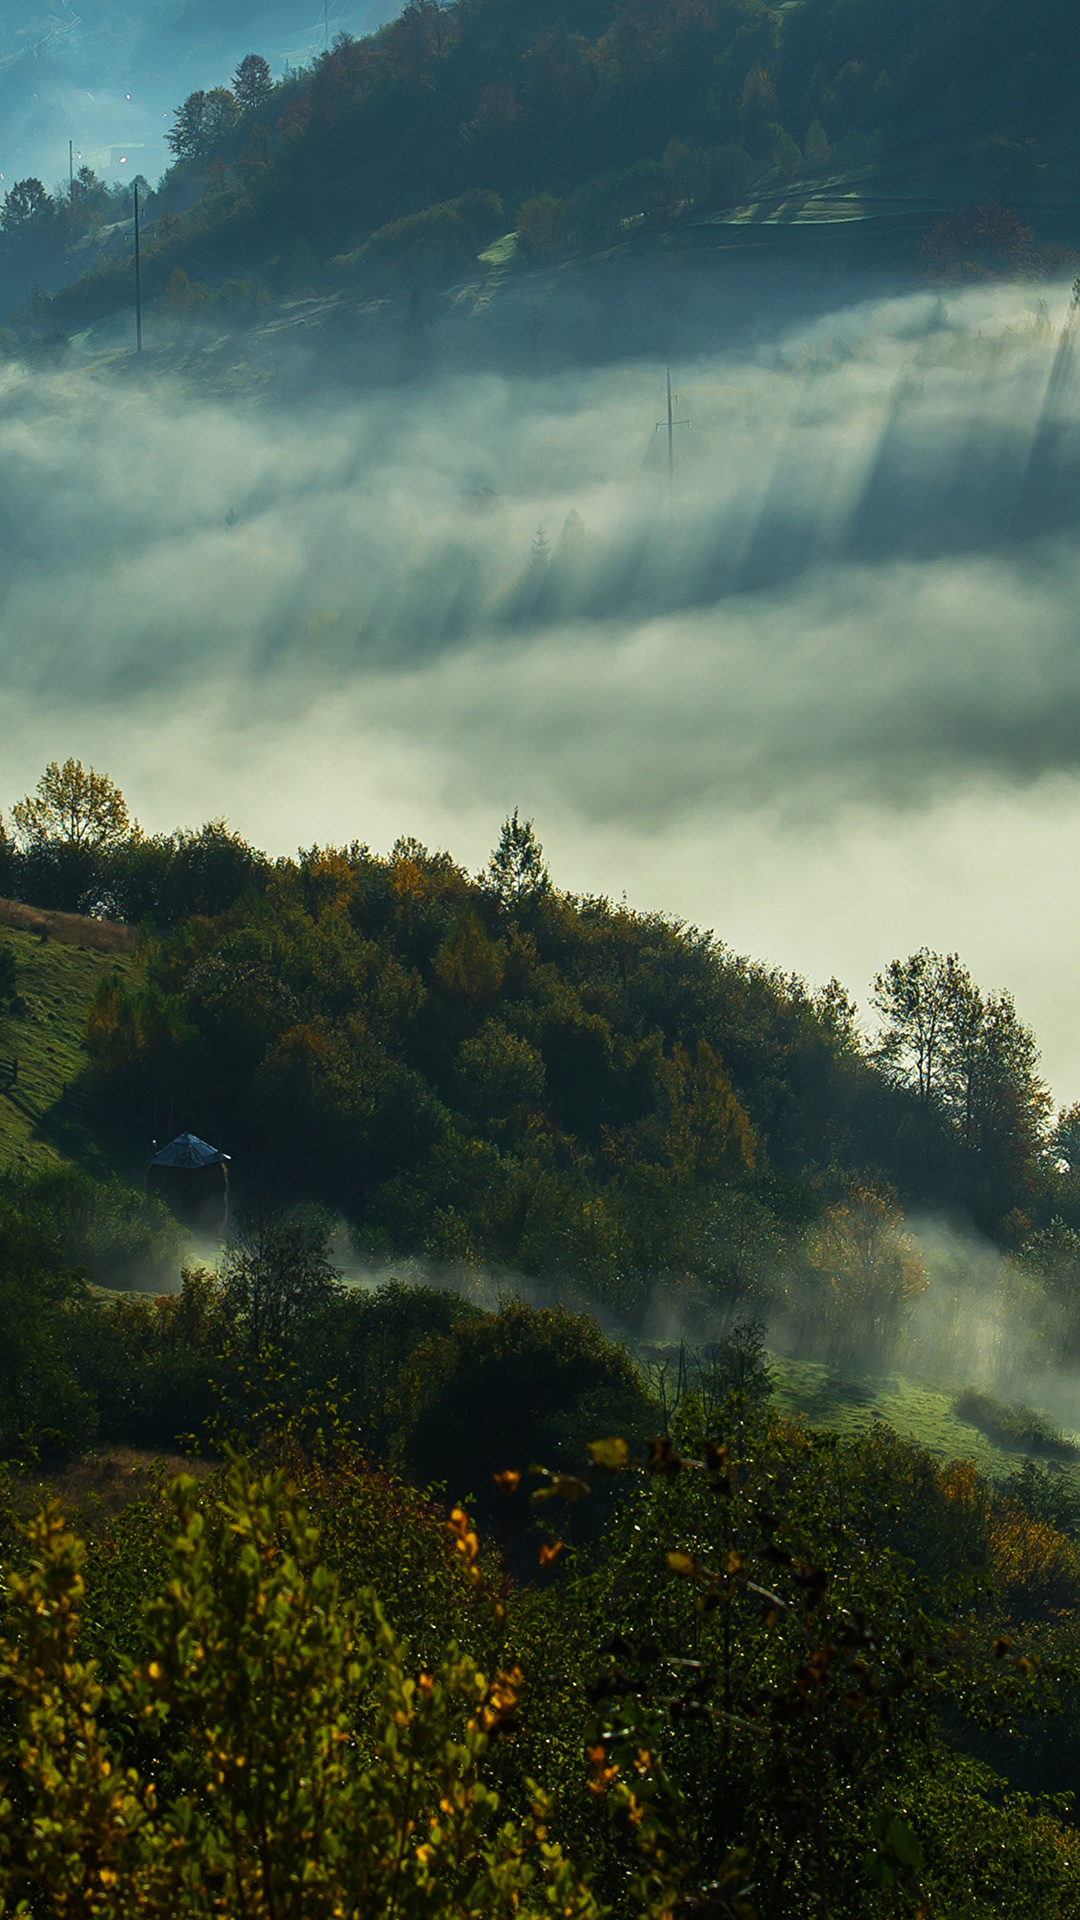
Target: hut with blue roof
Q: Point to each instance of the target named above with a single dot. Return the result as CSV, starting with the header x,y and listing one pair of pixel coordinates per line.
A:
x,y
193,1180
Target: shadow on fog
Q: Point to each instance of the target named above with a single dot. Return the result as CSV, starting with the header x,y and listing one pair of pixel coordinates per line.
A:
x,y
971,453
305,538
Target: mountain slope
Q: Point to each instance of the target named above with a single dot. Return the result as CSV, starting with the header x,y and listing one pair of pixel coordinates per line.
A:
x,y
582,125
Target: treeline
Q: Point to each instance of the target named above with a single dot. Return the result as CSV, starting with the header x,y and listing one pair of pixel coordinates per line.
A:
x,y
46,238
163,878
586,123
421,1378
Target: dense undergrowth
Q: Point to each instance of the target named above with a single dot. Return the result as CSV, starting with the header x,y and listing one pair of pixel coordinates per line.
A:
x,y
763,1685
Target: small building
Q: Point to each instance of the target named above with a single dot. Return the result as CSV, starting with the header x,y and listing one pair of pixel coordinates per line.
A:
x,y
193,1180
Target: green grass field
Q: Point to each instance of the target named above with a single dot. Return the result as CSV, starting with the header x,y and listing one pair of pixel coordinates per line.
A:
x,y
913,1409
46,1109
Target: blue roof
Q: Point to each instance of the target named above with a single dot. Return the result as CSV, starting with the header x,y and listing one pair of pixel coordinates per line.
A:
x,y
187,1150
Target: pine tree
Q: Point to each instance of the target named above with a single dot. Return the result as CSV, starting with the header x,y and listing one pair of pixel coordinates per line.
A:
x,y
517,869
252,83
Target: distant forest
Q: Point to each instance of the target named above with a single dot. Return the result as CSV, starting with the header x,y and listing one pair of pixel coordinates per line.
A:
x,y
394,160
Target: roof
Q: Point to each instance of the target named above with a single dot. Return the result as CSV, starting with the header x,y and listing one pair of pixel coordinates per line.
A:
x,y
187,1150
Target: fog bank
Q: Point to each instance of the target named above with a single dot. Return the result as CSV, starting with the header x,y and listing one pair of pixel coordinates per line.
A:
x,y
823,693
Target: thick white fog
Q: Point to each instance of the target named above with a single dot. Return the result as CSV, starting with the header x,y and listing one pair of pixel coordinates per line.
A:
x,y
823,693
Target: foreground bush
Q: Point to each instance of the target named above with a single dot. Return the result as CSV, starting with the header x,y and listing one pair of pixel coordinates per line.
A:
x,y
285,1761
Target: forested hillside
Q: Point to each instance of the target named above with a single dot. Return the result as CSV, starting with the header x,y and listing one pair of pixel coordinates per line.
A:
x,y
492,1073
560,1622
576,126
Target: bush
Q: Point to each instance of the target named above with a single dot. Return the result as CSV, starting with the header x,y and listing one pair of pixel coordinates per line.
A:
x,y
43,1407
122,1237
542,225
507,1388
9,973
1018,1427
374,1803
425,246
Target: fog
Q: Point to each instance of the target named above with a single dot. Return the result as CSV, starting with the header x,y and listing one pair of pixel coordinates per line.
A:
x,y
109,74
821,693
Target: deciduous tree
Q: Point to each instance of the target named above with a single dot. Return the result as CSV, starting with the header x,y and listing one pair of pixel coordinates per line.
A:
x,y
76,806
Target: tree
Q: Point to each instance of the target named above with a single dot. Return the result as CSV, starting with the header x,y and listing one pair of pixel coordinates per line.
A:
x,y
76,806
1065,1139
185,136
252,84
202,123
89,199
971,1056
541,224
710,1137
539,556
26,206
922,1002
818,151
467,962
219,118
517,870
871,1265
9,973
275,1275
1002,1104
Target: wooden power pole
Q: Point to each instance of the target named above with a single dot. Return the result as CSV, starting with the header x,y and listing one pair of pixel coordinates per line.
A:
x,y
671,423
138,274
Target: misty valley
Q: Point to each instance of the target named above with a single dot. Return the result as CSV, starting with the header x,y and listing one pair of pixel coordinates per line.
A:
x,y
539,1362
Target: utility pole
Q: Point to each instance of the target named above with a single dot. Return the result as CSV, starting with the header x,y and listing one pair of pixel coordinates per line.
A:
x,y
71,173
326,25
671,424
138,275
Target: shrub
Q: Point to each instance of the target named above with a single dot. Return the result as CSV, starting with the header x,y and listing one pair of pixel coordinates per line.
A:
x,y
9,972
43,1406
291,1764
511,1387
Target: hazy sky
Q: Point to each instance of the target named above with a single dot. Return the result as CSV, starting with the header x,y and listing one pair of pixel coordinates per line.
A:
x,y
109,74
810,696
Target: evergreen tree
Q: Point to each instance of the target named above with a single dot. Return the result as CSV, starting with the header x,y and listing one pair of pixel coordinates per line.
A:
x,y
252,84
517,870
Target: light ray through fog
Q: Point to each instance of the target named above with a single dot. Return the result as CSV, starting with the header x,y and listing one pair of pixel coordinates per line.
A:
x,y
825,695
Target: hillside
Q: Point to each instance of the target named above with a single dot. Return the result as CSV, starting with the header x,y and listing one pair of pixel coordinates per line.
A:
x,y
391,162
46,1111
722,1567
